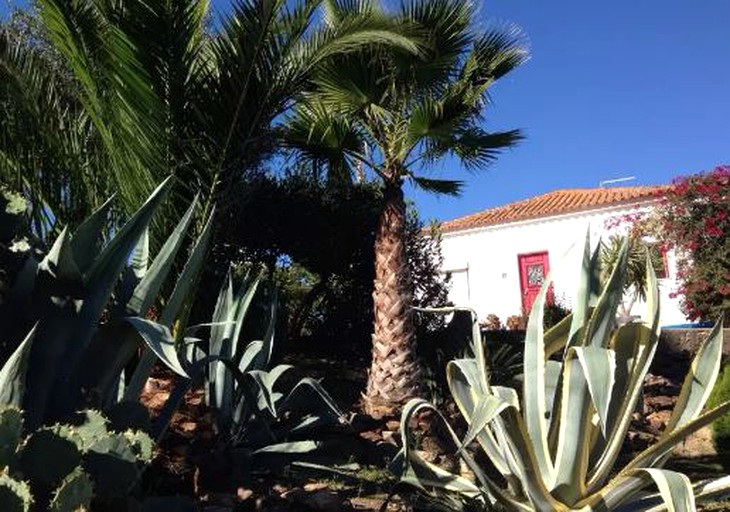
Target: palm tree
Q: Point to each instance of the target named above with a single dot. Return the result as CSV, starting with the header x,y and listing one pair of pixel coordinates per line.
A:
x,y
164,89
396,113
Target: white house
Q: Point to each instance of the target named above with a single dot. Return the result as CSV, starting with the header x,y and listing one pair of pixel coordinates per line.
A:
x,y
498,257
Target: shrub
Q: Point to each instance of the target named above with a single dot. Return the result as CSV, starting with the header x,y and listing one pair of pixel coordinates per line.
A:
x,y
557,444
491,323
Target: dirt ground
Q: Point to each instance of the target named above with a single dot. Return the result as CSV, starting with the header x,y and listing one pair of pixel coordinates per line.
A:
x,y
188,462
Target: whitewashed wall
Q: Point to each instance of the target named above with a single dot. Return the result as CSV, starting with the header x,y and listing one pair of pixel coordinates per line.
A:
x,y
485,271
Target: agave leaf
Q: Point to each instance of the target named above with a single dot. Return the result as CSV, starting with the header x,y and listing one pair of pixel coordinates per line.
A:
x,y
183,287
603,317
573,434
264,392
243,301
160,340
140,258
699,381
87,240
60,264
422,474
110,351
534,412
104,273
308,396
487,408
13,372
150,284
675,488
188,276
557,336
249,356
599,370
293,447
647,340
581,305
464,380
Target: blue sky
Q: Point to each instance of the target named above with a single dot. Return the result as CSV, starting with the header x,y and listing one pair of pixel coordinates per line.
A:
x,y
613,89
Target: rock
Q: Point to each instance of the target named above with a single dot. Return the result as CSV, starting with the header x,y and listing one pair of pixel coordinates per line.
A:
x,y
315,486
660,403
656,421
392,425
243,494
391,437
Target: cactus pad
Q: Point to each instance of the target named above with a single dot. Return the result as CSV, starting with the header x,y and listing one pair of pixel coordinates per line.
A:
x,y
15,495
75,493
50,453
11,427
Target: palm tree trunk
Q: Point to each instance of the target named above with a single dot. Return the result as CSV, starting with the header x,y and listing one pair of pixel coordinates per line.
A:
x,y
395,373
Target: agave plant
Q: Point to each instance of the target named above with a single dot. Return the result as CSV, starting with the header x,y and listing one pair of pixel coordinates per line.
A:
x,y
242,386
557,444
66,343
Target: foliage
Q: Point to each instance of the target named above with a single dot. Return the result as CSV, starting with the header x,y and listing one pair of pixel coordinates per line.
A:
x,y
425,261
491,323
692,218
391,114
157,89
555,311
322,256
65,342
639,250
253,413
695,219
67,467
557,443
721,427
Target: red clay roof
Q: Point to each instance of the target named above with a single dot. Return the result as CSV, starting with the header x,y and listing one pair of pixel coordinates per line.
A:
x,y
554,203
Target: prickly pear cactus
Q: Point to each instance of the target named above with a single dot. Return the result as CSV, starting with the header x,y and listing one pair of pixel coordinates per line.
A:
x,y
75,493
15,495
11,429
63,467
49,454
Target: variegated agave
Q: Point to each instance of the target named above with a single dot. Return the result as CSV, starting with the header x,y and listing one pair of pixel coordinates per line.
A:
x,y
557,444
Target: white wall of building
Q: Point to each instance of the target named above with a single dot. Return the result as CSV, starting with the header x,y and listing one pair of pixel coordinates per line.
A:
x,y
485,271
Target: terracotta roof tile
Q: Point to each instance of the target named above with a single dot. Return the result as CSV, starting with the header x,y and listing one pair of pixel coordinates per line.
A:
x,y
554,203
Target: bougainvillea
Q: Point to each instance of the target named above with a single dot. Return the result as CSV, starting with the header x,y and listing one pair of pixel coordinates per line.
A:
x,y
693,217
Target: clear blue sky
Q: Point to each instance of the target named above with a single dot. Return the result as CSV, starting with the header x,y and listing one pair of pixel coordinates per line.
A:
x,y
622,88
613,89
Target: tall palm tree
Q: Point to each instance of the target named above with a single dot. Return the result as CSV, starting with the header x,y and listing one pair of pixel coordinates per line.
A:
x,y
166,89
395,114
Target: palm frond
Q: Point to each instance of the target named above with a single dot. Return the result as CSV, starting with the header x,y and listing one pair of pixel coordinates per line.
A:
x,y
446,187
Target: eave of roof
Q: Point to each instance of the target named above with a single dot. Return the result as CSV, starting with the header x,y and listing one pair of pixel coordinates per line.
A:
x,y
558,202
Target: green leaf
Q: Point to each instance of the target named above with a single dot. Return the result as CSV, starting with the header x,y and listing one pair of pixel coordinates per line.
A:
x,y
699,381
160,340
599,369
87,240
533,394
13,372
146,291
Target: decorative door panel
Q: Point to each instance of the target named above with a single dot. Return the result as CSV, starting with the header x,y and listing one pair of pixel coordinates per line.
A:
x,y
534,269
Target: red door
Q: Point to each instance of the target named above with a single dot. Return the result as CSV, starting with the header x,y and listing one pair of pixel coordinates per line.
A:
x,y
534,269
